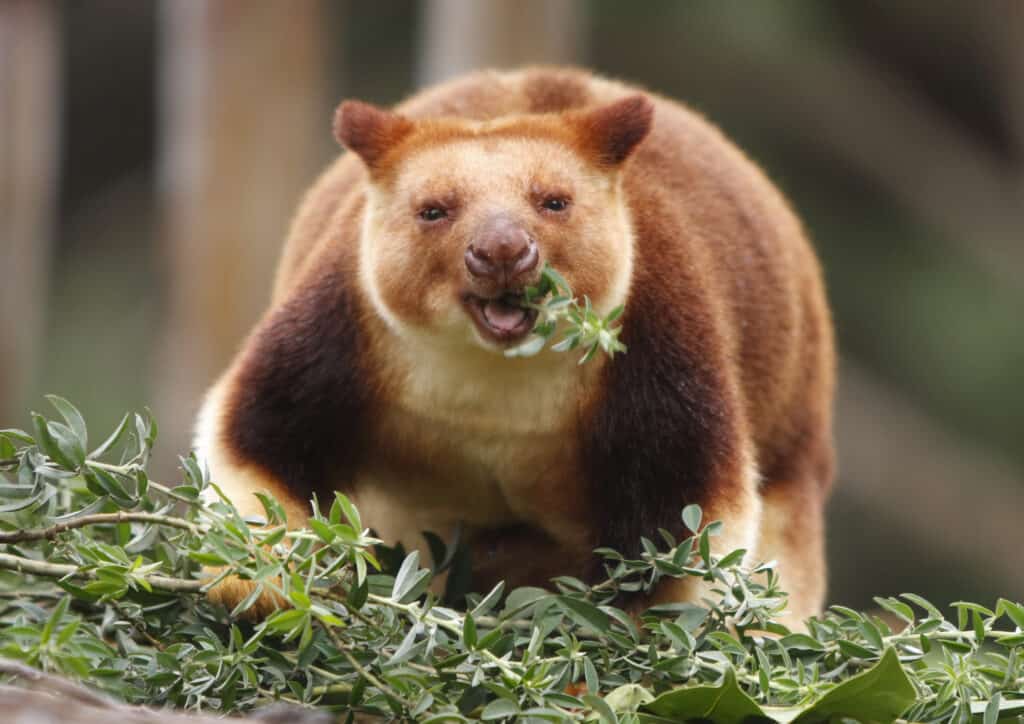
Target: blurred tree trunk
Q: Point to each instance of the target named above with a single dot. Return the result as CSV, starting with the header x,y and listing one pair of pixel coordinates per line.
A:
x,y
244,127
463,35
29,150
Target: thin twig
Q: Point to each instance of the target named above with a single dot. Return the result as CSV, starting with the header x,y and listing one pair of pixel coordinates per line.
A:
x,y
62,570
29,534
361,670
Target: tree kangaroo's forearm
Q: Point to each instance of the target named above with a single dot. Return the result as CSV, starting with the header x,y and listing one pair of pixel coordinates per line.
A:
x,y
665,433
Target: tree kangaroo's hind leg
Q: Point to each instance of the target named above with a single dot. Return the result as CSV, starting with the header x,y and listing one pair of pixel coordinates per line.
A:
x,y
239,483
238,480
286,418
793,530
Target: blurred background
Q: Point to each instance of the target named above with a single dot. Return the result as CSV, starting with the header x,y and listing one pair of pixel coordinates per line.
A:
x,y
152,152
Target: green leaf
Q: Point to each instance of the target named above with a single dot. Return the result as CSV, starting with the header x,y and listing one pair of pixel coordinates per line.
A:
x,y
115,438
407,649
274,510
68,443
411,580
1004,707
880,694
801,642
286,621
405,575
499,709
48,444
979,628
51,624
208,559
469,631
40,492
601,708
585,613
445,718
529,348
854,650
110,485
624,620
615,314
72,417
704,545
350,511
322,530
18,435
590,676
959,647
933,612
724,703
991,715
358,594
556,280
7,449
273,536
246,603
871,634
733,558
691,517
1014,610
589,355
521,598
976,607
628,697
897,608
489,601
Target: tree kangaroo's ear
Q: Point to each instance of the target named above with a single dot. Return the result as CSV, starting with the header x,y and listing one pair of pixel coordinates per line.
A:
x,y
607,135
369,131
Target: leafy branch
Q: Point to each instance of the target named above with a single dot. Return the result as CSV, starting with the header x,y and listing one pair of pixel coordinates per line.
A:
x,y
557,307
101,580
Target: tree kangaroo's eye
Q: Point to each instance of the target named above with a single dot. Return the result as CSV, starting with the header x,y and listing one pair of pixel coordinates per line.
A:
x,y
555,204
433,213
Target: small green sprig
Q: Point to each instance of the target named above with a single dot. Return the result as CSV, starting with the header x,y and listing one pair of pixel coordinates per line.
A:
x,y
553,300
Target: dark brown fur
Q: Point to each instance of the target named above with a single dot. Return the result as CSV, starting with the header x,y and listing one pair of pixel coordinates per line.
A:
x,y
301,400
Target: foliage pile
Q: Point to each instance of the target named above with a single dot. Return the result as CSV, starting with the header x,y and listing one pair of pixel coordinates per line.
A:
x,y
103,582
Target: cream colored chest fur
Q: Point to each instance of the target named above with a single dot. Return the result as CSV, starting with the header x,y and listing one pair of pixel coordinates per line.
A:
x,y
473,438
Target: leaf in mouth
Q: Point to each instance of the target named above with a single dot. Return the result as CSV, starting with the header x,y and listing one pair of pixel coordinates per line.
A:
x,y
556,306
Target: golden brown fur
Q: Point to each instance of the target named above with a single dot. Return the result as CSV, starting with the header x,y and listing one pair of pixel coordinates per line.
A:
x,y
365,375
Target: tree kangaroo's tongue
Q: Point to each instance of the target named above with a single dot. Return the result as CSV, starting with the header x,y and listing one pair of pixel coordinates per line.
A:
x,y
502,315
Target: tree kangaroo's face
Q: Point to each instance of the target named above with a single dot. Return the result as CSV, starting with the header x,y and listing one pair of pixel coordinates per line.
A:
x,y
461,216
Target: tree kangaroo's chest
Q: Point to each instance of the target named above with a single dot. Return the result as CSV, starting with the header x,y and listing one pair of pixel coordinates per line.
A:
x,y
484,451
